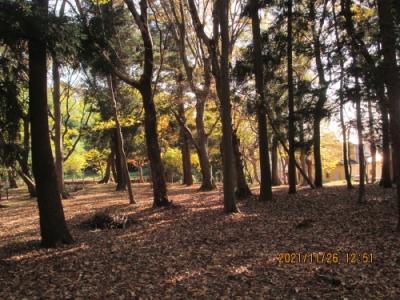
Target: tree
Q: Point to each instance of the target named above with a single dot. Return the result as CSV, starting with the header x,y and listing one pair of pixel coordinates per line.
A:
x,y
144,86
119,140
201,90
184,139
392,78
266,184
220,69
291,129
341,98
358,45
53,227
322,90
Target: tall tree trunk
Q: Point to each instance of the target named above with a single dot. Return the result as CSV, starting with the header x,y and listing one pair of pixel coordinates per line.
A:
x,y
53,227
392,79
317,152
386,179
349,152
372,143
120,141
242,188
266,184
345,149
58,143
185,149
303,154
113,167
205,167
291,129
361,158
323,86
153,148
274,162
120,178
223,90
341,101
309,168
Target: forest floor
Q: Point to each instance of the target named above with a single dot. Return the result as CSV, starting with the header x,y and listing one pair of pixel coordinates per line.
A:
x,y
194,250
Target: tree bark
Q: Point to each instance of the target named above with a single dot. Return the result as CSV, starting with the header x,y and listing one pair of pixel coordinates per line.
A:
x,y
323,86
185,150
392,79
274,162
53,227
386,178
120,178
223,90
205,166
242,189
29,183
24,157
266,184
58,143
107,174
361,158
11,178
372,143
291,129
303,154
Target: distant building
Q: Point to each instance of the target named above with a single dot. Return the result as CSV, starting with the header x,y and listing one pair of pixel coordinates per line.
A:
x,y
338,172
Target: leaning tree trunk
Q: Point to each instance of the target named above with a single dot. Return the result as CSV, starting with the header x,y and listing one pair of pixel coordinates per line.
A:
x,y
392,79
266,184
58,144
23,160
29,183
53,227
242,188
291,129
120,141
